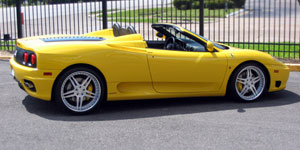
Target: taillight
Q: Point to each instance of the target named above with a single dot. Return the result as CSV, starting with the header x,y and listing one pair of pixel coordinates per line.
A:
x,y
33,59
25,57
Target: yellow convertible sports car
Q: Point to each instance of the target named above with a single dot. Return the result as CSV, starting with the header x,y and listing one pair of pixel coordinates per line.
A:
x,y
81,71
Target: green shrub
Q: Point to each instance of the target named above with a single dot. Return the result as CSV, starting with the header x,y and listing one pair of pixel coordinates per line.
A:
x,y
183,4
34,2
211,4
239,3
8,2
196,5
218,4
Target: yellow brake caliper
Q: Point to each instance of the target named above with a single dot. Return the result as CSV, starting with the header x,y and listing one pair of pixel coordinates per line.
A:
x,y
240,86
90,88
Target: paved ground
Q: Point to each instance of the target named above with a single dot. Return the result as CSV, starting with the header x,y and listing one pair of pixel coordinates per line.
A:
x,y
194,123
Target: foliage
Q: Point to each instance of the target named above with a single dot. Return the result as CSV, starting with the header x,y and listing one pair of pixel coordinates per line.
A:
x,y
13,2
183,4
34,2
217,4
211,4
8,2
196,5
239,3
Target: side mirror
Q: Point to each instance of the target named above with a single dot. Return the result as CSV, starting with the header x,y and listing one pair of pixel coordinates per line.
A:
x,y
160,35
210,46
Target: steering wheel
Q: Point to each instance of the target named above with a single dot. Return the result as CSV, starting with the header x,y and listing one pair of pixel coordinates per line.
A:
x,y
170,43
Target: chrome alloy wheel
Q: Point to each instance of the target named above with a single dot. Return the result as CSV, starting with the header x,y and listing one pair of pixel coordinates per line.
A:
x,y
80,91
250,83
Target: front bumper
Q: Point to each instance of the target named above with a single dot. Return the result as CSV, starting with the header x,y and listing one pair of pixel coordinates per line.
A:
x,y
279,75
43,84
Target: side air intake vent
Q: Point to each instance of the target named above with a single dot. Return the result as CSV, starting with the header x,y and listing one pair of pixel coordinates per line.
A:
x,y
278,83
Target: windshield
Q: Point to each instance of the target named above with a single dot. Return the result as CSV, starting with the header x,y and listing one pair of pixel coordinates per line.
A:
x,y
177,34
180,35
206,40
191,41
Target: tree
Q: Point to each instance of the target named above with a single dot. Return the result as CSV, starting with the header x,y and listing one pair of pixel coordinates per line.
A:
x,y
8,2
239,3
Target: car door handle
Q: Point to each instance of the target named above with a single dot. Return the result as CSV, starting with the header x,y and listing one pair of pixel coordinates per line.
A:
x,y
150,53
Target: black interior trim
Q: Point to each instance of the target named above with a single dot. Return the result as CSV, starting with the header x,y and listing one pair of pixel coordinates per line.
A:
x,y
156,44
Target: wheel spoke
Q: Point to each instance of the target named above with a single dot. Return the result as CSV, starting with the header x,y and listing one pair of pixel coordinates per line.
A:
x,y
241,80
244,90
90,93
86,82
69,94
78,102
249,73
253,89
256,79
90,96
74,81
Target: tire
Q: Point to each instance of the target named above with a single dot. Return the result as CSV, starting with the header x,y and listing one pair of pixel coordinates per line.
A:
x,y
248,83
79,91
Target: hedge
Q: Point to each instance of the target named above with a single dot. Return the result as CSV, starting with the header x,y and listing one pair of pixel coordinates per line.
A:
x,y
211,4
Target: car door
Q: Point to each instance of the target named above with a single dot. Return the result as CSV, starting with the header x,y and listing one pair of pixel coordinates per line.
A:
x,y
184,71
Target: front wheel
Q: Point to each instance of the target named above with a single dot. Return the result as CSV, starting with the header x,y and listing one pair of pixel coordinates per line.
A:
x,y
248,82
79,90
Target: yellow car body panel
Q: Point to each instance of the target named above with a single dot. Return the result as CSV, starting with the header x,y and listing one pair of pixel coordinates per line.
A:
x,y
133,71
179,71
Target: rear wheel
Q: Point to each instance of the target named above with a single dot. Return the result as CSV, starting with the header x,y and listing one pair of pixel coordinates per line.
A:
x,y
79,90
248,82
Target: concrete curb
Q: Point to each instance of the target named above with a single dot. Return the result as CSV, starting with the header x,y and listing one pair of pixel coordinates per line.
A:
x,y
238,12
293,67
5,57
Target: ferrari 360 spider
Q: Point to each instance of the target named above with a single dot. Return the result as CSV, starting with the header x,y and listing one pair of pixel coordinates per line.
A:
x,y
79,72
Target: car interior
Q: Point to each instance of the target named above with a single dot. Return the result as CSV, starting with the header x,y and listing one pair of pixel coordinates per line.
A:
x,y
170,42
118,30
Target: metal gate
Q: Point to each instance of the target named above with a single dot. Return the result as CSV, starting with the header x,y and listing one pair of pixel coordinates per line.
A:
x,y
272,26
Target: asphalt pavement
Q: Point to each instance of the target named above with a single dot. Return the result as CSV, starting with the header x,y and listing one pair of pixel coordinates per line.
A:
x,y
272,8
186,123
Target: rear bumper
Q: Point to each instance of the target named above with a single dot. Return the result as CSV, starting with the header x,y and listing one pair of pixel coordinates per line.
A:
x,y
279,75
43,84
19,84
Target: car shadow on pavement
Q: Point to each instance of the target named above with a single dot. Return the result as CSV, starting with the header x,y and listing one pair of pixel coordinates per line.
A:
x,y
163,107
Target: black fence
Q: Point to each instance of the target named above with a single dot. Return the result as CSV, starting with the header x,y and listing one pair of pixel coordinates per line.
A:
x,y
272,26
